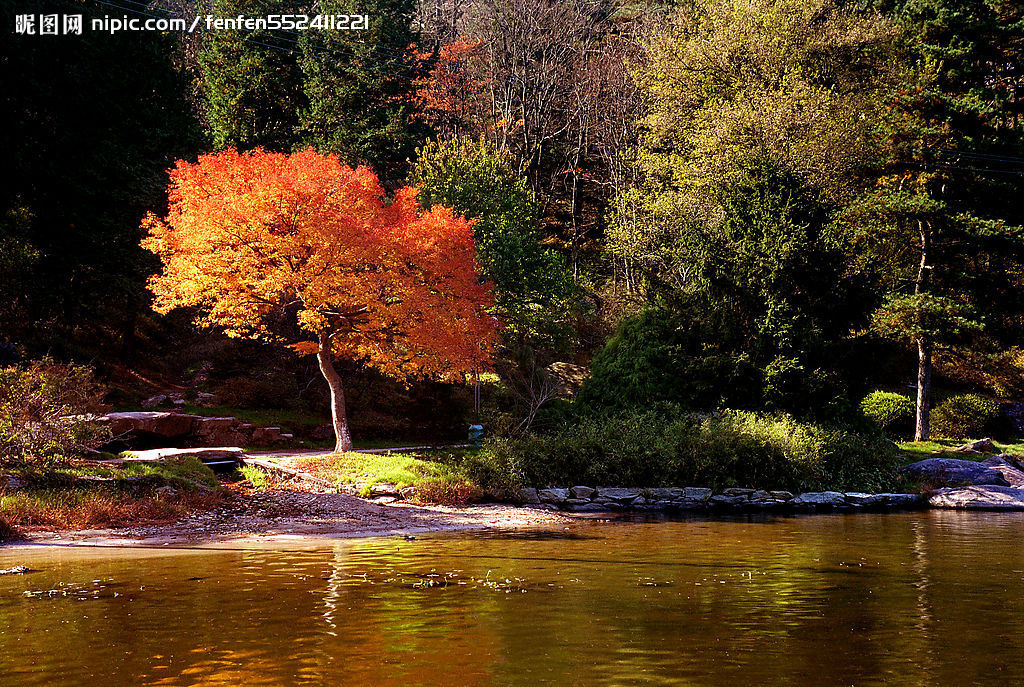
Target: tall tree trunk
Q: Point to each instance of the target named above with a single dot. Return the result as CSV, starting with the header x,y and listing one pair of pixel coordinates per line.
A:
x,y
922,431
924,343
343,439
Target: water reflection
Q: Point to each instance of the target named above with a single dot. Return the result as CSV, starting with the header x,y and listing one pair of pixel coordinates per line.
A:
x,y
911,599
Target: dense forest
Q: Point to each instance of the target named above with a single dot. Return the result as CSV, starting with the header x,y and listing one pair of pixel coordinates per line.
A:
x,y
770,206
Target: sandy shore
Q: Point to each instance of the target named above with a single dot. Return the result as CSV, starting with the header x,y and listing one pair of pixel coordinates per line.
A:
x,y
283,514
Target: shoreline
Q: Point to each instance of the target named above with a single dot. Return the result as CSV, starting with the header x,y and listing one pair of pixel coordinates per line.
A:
x,y
288,516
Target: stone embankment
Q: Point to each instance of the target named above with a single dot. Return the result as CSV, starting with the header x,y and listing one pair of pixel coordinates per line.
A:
x,y
583,499
157,428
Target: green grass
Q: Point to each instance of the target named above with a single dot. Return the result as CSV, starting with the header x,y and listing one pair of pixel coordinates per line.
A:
x,y
181,471
941,448
257,478
400,469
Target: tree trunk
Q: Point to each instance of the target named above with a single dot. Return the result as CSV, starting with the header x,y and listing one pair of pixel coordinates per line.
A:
x,y
343,439
922,431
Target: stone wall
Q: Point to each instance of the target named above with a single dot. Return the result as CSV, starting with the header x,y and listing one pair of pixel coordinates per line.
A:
x,y
583,499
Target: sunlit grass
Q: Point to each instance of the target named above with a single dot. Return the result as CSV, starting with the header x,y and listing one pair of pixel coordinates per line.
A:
x,y
400,469
256,477
942,448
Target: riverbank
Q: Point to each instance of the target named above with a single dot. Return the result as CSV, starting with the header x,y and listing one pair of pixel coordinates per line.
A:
x,y
284,513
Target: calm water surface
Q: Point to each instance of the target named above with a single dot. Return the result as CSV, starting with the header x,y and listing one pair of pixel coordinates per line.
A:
x,y
933,598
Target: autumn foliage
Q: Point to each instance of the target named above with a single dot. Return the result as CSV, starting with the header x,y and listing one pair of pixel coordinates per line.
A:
x,y
263,240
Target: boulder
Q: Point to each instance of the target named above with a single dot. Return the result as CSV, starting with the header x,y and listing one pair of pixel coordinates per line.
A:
x,y
553,496
582,492
207,455
664,493
166,425
862,500
819,499
696,493
951,472
903,500
619,494
262,436
979,497
1008,467
528,495
729,501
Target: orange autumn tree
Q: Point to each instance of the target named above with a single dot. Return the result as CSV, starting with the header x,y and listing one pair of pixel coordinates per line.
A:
x,y
260,239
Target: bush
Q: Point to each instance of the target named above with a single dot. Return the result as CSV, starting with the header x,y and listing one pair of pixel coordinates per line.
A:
x,y
964,417
891,412
45,413
667,447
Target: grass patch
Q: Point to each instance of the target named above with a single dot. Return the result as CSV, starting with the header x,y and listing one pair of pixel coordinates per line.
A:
x,y
400,469
90,495
256,477
942,448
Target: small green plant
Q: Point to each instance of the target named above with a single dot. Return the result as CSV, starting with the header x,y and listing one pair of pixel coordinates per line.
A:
x,y
893,413
964,417
256,477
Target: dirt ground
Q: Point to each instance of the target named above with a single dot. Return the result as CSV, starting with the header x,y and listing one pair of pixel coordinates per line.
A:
x,y
286,512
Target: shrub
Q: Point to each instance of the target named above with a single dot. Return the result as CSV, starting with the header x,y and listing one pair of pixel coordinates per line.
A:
x,y
964,417
667,447
891,412
448,489
45,413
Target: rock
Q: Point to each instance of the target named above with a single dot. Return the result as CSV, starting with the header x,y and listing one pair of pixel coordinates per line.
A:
x,y
384,489
951,472
979,497
207,455
781,495
819,499
213,425
727,500
735,491
903,500
266,435
407,492
582,492
980,446
16,570
166,491
576,502
862,500
1010,471
528,495
664,493
588,507
553,496
619,494
166,425
696,494
156,401
760,496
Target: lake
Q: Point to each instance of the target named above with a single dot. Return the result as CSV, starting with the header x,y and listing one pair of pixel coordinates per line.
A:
x,y
928,598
